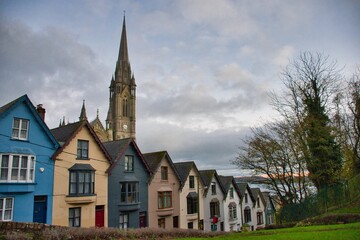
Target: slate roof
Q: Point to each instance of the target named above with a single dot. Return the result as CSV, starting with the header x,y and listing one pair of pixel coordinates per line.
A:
x,y
153,160
206,177
64,135
226,181
183,169
116,150
257,192
242,188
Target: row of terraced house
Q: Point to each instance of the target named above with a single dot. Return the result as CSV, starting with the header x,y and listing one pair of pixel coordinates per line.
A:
x,y
66,176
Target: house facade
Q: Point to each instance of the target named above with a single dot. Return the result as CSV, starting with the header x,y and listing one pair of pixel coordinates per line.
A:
x,y
128,185
247,205
213,201
80,179
232,207
191,196
26,175
164,185
259,208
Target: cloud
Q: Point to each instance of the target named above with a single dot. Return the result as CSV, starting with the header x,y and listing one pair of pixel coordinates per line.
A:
x,y
52,67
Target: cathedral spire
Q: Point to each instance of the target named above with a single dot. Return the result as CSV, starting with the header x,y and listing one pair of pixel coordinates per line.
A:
x,y
83,112
123,51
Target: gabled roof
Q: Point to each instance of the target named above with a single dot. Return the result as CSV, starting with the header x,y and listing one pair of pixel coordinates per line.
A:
x,y
207,175
226,181
65,134
154,159
183,169
117,149
4,110
257,192
269,200
243,187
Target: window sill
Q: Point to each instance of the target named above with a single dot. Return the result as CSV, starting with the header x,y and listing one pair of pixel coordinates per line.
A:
x,y
165,212
75,199
82,158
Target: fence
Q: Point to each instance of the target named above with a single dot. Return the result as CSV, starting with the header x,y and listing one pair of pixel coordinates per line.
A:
x,y
330,198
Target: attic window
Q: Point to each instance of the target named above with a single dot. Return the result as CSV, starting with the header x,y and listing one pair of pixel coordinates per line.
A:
x,y
20,129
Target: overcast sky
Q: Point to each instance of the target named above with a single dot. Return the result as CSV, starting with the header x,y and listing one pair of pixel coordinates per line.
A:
x,y
203,68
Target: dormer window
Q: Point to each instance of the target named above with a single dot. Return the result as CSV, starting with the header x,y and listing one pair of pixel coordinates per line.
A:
x,y
20,129
213,188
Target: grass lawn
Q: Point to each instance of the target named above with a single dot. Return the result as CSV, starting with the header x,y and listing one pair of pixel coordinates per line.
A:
x,y
328,232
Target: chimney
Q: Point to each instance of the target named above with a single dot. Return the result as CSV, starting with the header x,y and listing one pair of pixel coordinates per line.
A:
x,y
41,111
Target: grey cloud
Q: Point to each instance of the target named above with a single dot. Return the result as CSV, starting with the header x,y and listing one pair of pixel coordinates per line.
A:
x,y
52,67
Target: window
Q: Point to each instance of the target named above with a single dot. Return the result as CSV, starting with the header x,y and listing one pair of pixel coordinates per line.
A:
x,y
164,173
191,182
129,163
258,202
231,190
214,209
246,198
259,217
6,209
129,192
247,215
164,200
125,107
74,217
82,149
20,129
190,225
192,203
161,222
213,188
124,221
232,211
82,182
17,168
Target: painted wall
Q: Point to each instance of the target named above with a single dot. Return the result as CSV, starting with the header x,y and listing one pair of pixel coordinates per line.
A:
x,y
233,224
156,185
184,217
220,196
62,202
38,144
260,209
118,175
249,204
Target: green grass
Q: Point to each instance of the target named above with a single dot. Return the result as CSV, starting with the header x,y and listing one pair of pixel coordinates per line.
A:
x,y
327,232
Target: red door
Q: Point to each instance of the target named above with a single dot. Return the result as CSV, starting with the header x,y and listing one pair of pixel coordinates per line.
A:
x,y
142,220
99,216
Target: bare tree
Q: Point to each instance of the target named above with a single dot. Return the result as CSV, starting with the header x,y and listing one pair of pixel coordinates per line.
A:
x,y
273,150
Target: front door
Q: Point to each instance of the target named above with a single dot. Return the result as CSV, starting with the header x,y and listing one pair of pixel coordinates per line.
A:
x,y
99,216
142,219
40,206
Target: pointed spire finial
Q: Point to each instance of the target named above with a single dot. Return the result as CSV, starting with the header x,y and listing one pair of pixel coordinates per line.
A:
x,y
97,113
83,112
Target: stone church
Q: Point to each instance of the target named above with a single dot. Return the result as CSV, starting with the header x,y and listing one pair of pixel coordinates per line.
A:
x,y
121,116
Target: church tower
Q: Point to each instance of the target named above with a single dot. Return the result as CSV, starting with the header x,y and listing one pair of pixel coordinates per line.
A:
x,y
121,117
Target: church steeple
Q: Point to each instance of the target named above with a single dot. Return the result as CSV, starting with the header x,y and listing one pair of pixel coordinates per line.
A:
x,y
120,121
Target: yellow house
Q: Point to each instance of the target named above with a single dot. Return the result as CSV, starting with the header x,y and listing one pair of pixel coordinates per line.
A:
x,y
80,178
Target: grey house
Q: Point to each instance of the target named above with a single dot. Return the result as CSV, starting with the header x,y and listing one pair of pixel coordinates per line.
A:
x,y
128,185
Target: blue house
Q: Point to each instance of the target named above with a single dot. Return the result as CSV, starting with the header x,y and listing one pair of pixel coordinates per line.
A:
x,y
26,167
127,185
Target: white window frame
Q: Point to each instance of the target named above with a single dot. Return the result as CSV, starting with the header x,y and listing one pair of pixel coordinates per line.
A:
x,y
4,209
18,130
15,172
124,221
